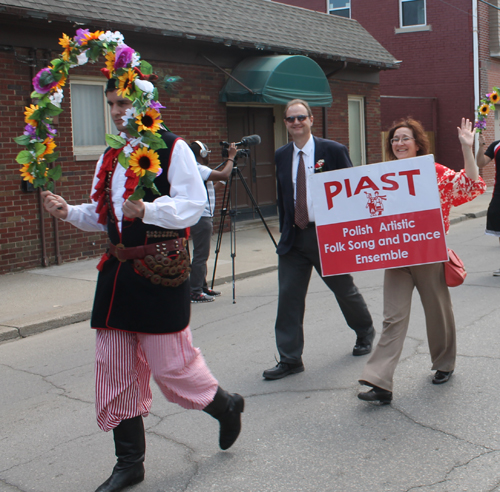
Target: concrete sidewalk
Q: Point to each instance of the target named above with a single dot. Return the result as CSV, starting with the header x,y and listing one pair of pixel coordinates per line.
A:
x,y
44,298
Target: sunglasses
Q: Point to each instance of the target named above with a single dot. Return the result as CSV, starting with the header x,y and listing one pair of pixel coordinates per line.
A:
x,y
291,119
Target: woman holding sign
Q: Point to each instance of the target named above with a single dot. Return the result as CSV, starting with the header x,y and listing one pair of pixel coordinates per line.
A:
x,y
406,139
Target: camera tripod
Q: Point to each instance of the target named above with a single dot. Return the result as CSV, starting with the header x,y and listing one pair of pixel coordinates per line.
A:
x,y
232,212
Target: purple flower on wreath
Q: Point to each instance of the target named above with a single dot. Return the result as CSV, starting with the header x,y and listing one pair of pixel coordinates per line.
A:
x,y
30,131
80,35
480,125
51,131
43,89
123,56
159,172
156,105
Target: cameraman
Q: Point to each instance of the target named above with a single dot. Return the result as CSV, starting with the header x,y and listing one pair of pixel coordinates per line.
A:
x,y
201,233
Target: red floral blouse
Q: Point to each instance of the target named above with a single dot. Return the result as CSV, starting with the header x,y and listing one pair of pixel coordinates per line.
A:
x,y
456,188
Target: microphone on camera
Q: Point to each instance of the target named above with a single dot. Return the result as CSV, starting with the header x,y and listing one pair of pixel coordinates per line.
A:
x,y
249,141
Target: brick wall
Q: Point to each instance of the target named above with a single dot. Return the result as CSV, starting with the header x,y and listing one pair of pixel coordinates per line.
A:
x,y
194,112
338,115
489,74
435,64
432,66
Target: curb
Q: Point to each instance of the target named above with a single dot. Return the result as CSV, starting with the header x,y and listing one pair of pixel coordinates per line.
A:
x,y
475,215
8,332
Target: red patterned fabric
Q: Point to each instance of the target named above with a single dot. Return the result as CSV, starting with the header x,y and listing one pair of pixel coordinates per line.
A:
x,y
130,184
456,188
99,196
123,366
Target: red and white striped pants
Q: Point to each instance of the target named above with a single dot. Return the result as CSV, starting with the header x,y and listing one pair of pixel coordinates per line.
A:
x,y
123,367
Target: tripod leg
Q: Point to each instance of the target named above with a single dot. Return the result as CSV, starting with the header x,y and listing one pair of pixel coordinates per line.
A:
x,y
254,203
223,213
232,218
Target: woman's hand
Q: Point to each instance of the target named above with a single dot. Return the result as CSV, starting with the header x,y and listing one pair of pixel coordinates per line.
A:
x,y
466,137
465,133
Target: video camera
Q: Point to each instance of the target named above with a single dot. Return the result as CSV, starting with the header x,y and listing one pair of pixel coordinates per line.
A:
x,y
244,142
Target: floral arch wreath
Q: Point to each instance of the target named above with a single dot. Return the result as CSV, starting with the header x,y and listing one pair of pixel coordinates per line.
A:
x,y
486,104
125,71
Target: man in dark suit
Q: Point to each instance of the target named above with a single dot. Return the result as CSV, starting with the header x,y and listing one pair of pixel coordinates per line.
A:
x,y
298,246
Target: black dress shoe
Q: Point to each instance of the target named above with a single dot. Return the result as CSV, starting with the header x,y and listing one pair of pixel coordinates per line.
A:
x,y
283,369
364,344
377,395
441,377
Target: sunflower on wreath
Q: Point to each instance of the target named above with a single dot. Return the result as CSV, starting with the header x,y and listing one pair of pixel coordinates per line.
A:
x,y
130,75
486,104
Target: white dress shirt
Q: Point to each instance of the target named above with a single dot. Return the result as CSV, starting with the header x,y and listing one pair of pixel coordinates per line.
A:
x,y
181,209
308,157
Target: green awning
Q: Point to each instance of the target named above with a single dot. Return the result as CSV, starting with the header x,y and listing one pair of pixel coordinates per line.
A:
x,y
277,80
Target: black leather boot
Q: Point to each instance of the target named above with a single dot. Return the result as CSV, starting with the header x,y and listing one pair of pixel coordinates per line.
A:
x,y
227,409
130,447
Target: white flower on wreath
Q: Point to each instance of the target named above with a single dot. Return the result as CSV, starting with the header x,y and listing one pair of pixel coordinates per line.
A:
x,y
130,114
128,150
112,37
136,141
136,60
145,86
56,97
82,58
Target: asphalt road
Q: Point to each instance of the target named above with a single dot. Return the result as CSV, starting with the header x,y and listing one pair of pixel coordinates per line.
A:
x,y
307,432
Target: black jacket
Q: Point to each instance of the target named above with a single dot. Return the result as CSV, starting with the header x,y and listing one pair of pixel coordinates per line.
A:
x,y
335,156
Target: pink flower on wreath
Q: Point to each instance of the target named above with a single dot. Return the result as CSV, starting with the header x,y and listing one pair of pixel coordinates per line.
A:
x,y
123,56
318,167
43,89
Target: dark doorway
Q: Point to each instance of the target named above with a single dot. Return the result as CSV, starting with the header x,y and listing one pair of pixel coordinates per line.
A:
x,y
258,169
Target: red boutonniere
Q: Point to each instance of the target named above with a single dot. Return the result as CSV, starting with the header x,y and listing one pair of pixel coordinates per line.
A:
x,y
318,167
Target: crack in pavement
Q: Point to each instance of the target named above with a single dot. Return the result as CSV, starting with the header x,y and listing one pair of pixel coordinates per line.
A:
x,y
50,383
452,469
435,429
230,316
11,485
49,450
189,452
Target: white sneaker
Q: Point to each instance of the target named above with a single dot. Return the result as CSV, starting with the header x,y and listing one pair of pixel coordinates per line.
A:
x,y
496,273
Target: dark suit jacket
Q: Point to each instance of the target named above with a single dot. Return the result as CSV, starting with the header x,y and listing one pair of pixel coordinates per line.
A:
x,y
335,156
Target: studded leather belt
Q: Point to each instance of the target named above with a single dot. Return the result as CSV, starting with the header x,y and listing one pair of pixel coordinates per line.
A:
x,y
140,252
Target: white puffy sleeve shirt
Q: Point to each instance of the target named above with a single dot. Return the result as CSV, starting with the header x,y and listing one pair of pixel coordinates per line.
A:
x,y
181,209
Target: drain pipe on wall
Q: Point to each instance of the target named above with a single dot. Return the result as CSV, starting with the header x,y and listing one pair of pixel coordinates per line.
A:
x,y
475,64
43,237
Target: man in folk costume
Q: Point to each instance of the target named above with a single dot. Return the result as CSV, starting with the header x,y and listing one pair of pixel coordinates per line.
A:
x,y
142,305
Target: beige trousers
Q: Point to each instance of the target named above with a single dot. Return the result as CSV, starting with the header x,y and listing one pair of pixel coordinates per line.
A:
x,y
440,322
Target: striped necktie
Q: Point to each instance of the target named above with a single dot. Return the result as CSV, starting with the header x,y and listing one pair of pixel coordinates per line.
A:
x,y
301,214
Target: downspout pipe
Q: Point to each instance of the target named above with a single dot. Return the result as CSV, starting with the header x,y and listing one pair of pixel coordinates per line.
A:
x,y
475,61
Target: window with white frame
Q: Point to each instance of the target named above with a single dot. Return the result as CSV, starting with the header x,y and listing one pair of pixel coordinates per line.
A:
x,y
412,13
90,116
357,139
340,7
